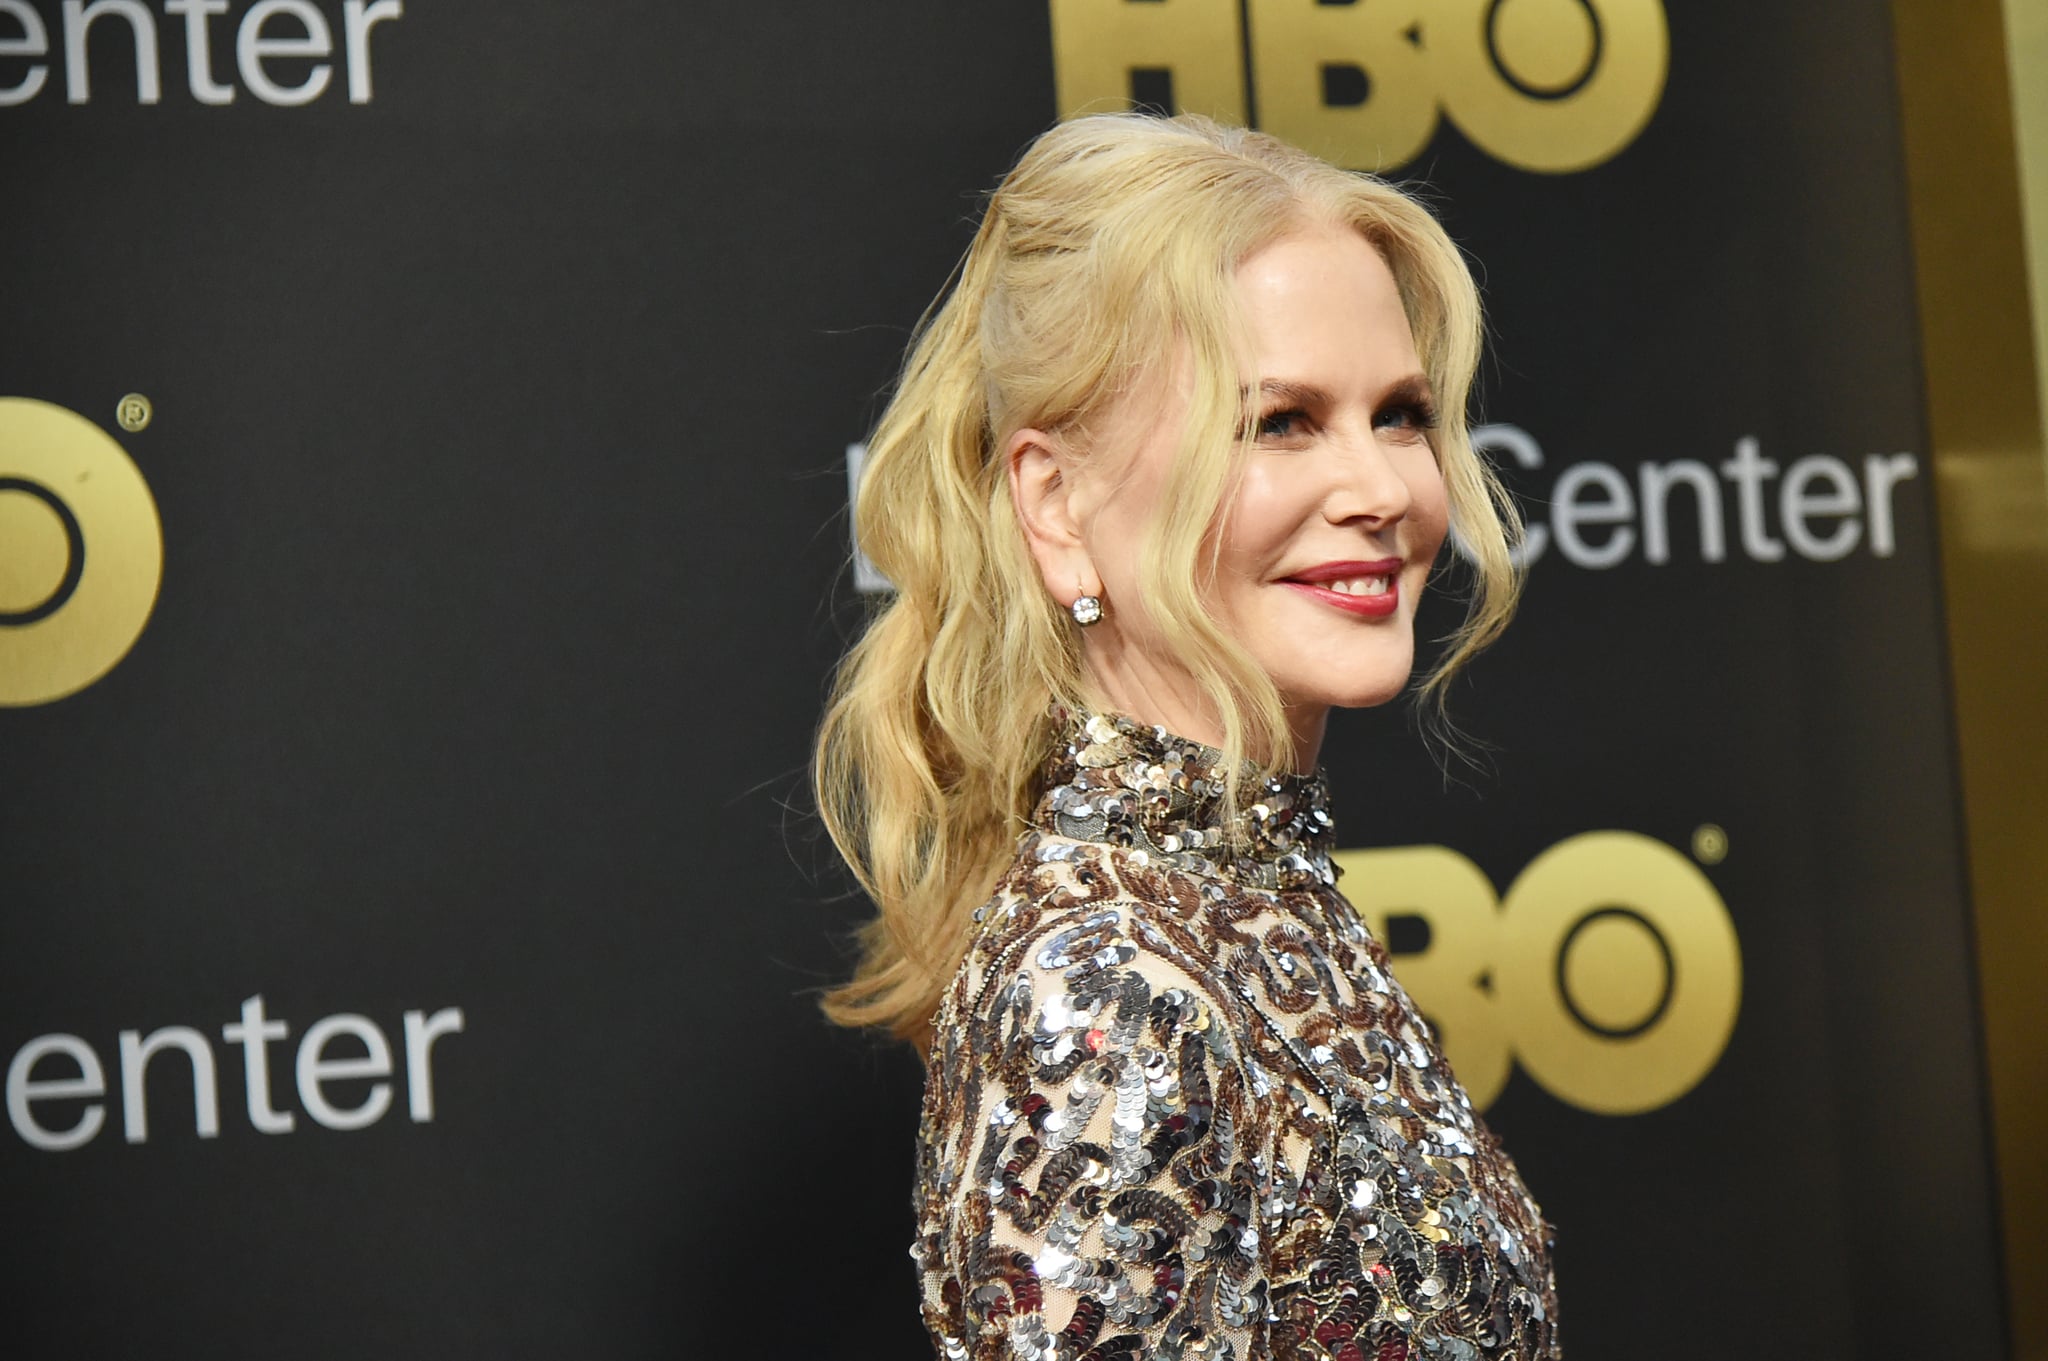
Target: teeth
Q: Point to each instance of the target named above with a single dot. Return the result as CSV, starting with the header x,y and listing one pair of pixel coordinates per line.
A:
x,y
1359,585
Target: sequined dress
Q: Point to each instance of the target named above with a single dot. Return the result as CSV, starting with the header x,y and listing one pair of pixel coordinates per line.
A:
x,y
1177,1107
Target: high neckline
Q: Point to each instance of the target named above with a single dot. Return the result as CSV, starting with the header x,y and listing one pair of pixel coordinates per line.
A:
x,y
1114,780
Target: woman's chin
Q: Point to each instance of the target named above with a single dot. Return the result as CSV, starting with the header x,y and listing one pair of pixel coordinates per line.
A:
x,y
1353,694
1363,684
1371,700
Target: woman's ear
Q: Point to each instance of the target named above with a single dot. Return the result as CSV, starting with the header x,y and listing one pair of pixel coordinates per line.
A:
x,y
1041,482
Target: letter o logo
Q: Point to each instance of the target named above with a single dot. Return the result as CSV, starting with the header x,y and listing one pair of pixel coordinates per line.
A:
x,y
1550,85
81,552
1618,972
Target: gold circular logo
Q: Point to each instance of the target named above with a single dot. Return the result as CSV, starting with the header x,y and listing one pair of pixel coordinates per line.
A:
x,y
1551,85
1619,970
134,412
81,551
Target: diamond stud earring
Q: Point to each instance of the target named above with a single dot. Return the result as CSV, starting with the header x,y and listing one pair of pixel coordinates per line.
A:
x,y
1087,609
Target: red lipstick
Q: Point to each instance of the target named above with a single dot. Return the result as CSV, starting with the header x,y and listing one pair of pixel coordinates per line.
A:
x,y
1375,606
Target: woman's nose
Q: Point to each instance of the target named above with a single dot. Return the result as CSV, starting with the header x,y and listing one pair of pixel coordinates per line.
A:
x,y
1366,484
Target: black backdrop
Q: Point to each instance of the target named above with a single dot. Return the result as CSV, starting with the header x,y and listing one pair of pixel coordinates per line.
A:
x,y
496,445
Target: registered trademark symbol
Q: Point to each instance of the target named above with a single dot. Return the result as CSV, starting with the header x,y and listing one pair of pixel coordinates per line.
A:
x,y
1709,844
134,412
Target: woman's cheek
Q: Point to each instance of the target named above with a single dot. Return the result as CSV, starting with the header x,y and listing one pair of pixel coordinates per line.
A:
x,y
1431,510
1262,520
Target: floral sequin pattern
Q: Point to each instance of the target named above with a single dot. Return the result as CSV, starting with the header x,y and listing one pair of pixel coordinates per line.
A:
x,y
1177,1106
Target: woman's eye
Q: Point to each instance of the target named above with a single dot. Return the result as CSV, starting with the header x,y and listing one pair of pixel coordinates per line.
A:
x,y
1281,424
1406,417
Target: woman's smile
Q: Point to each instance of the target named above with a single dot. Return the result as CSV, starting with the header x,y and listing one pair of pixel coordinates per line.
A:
x,y
1370,590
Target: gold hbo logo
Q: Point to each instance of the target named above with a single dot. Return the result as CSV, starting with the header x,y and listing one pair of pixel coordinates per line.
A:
x,y
1547,85
81,549
1610,967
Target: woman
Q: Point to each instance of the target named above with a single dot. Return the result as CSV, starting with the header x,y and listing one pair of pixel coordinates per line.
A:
x,y
1160,485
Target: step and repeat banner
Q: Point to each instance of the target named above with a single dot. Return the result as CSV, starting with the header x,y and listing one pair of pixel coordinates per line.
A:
x,y
425,438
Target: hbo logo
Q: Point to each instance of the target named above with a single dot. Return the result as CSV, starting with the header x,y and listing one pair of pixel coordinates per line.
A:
x,y
1609,969
1547,85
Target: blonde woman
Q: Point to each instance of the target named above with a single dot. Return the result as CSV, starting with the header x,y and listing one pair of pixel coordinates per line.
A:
x,y
1161,484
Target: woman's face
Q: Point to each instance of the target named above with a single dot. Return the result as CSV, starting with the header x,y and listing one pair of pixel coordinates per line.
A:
x,y
1340,510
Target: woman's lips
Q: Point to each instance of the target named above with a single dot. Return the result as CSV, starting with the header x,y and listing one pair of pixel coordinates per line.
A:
x,y
1369,589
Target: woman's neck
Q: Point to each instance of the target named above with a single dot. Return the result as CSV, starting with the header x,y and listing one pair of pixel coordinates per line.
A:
x,y
1126,683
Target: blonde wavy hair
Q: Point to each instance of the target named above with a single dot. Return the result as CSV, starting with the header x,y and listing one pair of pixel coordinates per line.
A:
x,y
1112,245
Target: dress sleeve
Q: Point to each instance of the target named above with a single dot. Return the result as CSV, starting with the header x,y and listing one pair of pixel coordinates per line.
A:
x,y
1088,1187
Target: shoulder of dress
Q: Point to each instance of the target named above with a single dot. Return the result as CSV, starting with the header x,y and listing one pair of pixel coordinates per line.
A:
x,y
1074,909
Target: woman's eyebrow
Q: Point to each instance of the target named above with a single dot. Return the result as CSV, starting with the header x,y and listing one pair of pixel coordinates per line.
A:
x,y
1296,394
1413,389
